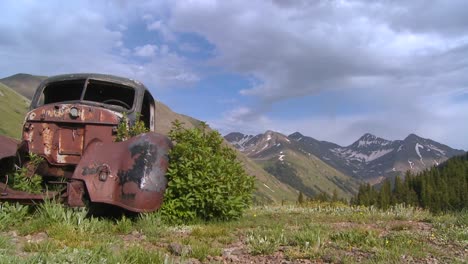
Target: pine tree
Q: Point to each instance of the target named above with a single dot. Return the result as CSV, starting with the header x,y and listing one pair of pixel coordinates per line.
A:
x,y
300,198
335,197
385,196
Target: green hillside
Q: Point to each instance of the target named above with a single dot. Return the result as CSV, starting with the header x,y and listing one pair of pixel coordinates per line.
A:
x,y
310,175
24,84
13,107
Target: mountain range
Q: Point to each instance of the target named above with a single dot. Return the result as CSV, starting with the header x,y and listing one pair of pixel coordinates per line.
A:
x,y
287,160
370,158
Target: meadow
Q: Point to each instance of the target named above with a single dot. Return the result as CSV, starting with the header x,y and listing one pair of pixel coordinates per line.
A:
x,y
310,233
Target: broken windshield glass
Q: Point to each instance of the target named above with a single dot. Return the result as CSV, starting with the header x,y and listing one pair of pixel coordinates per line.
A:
x,y
94,91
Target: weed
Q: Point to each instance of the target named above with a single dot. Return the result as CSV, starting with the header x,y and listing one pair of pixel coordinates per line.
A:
x,y
12,214
152,225
52,212
25,179
71,255
46,247
7,259
357,237
126,130
200,249
264,242
123,225
396,245
136,254
5,245
211,232
308,238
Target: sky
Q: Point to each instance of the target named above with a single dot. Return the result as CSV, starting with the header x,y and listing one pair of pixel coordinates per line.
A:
x,y
332,70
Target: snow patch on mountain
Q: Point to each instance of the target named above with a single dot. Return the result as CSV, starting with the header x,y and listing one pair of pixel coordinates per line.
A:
x,y
430,146
268,187
419,153
242,142
355,155
365,143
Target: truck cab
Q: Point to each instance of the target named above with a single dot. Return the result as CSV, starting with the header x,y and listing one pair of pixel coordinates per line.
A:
x,y
72,126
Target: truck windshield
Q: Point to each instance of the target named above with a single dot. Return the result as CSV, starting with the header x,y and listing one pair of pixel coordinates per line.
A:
x,y
108,93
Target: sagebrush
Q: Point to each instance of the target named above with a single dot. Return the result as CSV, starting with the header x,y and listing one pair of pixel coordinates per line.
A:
x,y
205,179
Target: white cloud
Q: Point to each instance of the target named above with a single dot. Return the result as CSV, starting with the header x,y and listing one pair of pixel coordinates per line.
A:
x,y
51,38
162,28
147,50
243,119
312,46
155,25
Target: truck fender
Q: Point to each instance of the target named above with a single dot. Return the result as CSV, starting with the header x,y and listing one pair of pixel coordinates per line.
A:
x,y
128,174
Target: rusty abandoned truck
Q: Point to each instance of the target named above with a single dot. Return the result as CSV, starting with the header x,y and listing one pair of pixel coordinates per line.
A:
x,y
72,126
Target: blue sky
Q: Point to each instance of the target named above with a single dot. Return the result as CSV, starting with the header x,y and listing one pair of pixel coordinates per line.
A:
x,y
332,70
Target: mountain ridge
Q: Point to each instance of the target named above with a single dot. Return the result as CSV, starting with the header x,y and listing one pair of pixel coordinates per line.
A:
x,y
369,158
291,164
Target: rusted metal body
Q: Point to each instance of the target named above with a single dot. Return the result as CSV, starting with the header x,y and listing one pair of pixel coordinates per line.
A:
x,y
72,124
8,147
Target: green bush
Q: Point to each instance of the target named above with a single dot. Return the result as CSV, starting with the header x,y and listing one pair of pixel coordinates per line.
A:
x,y
24,178
205,179
125,130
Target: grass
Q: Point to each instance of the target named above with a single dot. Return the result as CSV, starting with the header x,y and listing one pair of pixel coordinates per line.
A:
x,y
318,232
13,108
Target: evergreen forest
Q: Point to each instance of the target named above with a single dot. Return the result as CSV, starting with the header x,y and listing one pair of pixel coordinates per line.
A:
x,y
440,189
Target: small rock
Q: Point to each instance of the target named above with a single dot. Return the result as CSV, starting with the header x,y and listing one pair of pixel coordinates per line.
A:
x,y
227,252
41,236
231,251
135,233
179,250
192,261
115,248
217,259
232,258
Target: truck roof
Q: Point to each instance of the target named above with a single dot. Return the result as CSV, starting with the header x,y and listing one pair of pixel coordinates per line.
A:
x,y
96,76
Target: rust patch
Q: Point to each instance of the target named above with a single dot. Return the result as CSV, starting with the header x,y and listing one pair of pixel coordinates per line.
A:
x,y
75,193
